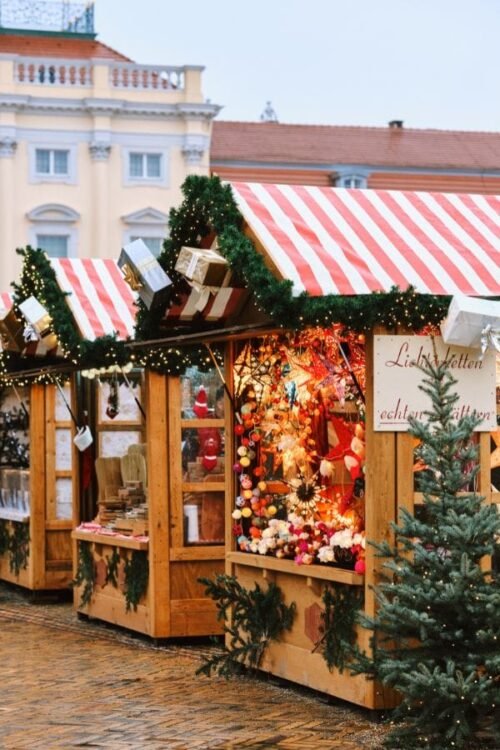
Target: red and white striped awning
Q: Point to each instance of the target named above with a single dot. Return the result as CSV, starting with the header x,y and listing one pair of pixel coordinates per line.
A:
x,y
99,299
345,241
6,301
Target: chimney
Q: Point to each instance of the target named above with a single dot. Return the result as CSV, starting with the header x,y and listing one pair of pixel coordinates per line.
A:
x,y
396,124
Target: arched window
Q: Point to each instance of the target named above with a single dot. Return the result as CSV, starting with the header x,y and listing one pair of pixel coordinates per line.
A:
x,y
53,230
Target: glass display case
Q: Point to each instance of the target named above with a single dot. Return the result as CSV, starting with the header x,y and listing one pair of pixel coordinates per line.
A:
x,y
15,490
202,457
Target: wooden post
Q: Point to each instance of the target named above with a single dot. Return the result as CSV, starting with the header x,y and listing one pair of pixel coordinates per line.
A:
x,y
380,499
159,504
37,487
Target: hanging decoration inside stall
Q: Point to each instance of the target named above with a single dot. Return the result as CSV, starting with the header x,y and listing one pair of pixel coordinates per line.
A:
x,y
300,447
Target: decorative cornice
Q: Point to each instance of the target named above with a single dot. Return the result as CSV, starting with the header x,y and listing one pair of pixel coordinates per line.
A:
x,y
193,148
8,146
99,151
111,107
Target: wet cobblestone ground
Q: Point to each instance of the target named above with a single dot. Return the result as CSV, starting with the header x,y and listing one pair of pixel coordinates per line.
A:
x,y
69,683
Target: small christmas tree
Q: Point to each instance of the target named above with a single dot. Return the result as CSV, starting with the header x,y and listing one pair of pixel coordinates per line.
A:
x,y
437,630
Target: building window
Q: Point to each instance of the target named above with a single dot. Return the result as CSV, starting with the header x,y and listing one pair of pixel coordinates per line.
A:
x,y
55,245
144,166
53,228
155,244
52,161
351,181
49,164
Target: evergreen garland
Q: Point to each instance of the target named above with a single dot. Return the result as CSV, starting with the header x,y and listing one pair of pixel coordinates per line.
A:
x,y
112,568
136,578
339,618
4,536
38,279
85,573
209,206
437,631
256,617
18,547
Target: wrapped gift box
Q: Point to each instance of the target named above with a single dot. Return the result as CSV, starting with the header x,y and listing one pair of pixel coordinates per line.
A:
x,y
203,266
467,318
11,332
39,321
225,303
144,274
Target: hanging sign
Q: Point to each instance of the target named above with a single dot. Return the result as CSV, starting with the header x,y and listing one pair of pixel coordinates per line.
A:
x,y
397,377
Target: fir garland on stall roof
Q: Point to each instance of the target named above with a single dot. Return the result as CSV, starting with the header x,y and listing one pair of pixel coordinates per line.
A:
x,y
38,279
209,207
256,618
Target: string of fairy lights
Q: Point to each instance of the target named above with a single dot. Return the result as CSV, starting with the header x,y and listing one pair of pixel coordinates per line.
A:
x,y
208,209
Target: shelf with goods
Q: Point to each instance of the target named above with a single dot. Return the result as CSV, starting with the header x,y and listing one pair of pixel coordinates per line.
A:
x,y
41,496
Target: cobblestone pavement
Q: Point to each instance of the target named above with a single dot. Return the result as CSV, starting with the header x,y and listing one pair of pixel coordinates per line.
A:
x,y
67,683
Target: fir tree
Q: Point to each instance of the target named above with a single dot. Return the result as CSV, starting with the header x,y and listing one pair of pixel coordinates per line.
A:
x,y
437,629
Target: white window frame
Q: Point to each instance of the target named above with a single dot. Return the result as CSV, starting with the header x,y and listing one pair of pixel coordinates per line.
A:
x,y
70,178
56,220
161,181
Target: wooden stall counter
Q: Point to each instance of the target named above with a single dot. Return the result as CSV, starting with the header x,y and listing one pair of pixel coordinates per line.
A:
x,y
297,656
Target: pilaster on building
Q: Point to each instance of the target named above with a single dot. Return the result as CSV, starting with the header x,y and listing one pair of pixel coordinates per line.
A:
x,y
84,127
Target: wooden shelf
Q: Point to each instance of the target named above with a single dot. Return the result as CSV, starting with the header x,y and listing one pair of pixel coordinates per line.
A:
x,y
321,572
111,541
12,514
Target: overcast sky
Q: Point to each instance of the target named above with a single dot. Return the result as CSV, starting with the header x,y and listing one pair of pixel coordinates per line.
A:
x,y
431,63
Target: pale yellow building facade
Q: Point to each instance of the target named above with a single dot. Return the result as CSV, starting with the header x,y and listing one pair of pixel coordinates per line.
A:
x,y
93,147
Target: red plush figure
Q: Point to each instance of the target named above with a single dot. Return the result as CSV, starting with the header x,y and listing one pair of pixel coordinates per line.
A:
x,y
209,454
200,407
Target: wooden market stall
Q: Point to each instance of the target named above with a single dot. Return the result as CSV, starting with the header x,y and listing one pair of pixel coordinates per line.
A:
x,y
310,435
157,523
42,413
37,508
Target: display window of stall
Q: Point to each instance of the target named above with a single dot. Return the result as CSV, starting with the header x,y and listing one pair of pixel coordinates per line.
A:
x,y
198,478
59,448
120,421
14,454
121,455
300,449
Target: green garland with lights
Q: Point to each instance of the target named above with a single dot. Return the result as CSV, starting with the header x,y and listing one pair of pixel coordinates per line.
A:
x,y
38,279
209,206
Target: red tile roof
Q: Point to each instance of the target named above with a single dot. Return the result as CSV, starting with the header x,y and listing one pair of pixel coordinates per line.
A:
x,y
35,45
338,144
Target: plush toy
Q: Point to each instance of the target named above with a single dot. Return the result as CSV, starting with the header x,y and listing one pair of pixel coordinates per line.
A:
x,y
200,407
209,453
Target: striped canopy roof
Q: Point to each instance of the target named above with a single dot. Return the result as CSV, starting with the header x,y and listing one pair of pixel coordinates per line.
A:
x,y
345,241
99,299
5,301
